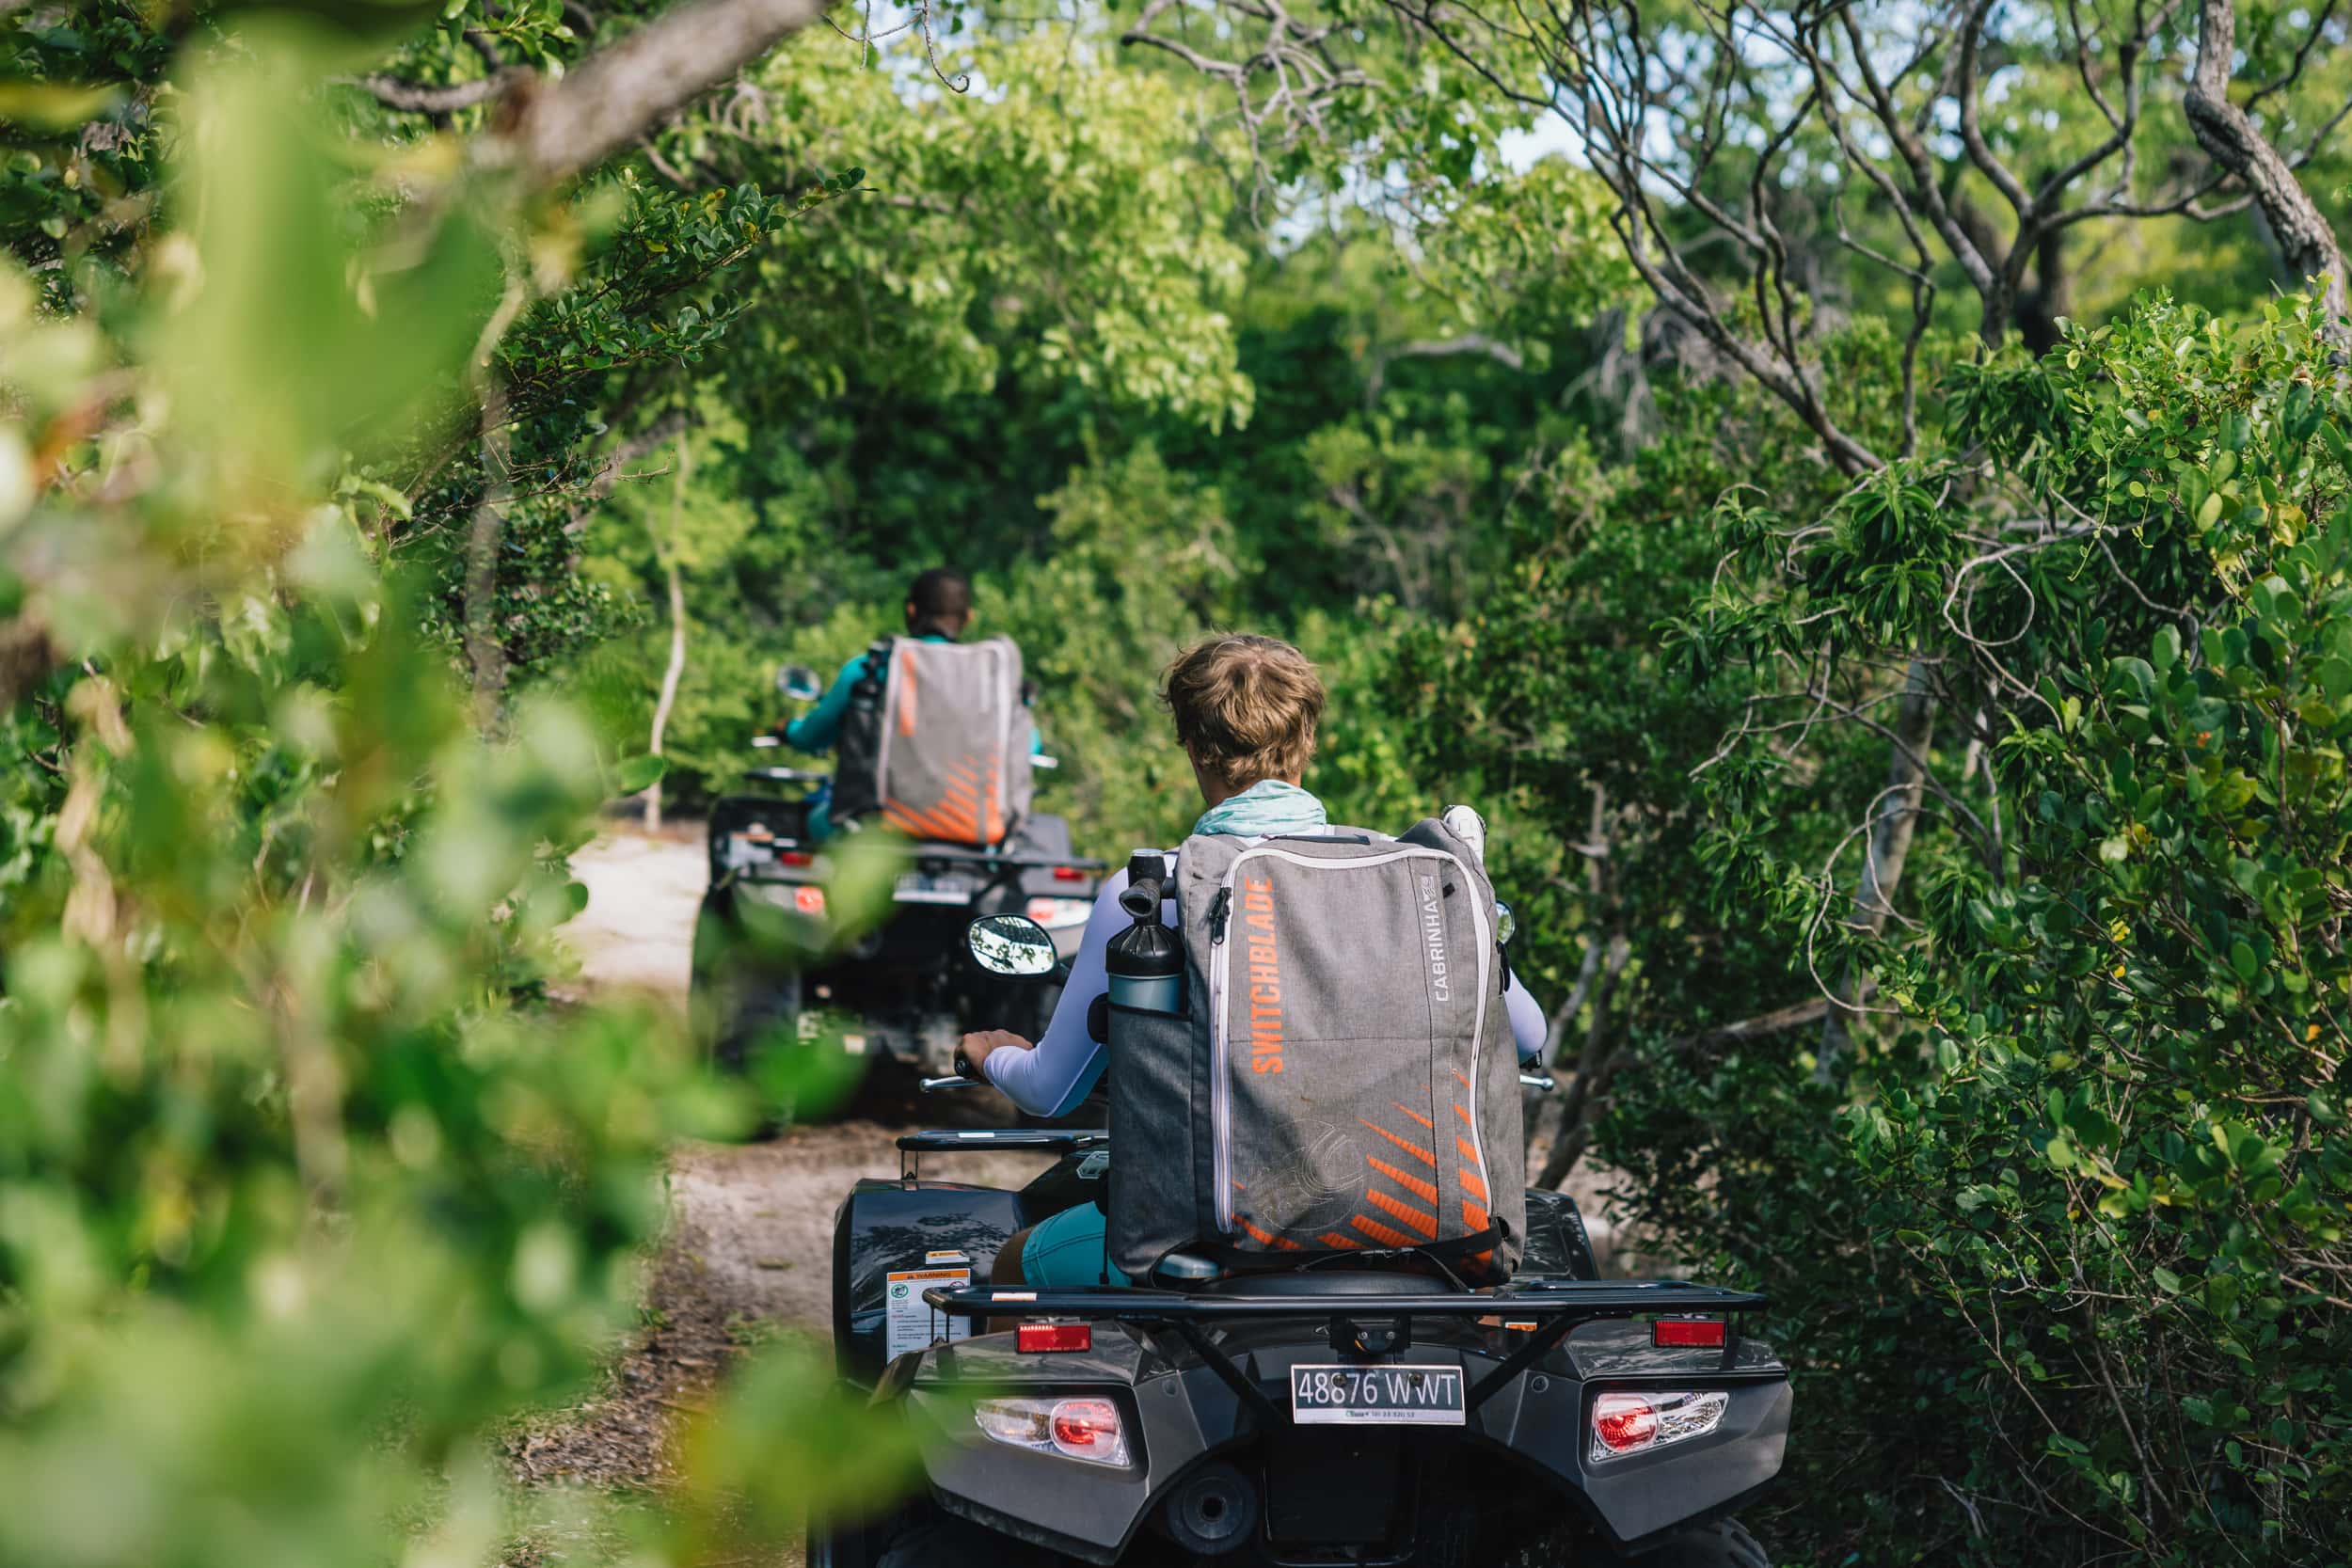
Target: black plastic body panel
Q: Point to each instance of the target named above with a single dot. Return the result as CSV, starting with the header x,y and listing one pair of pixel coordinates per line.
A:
x,y
890,1225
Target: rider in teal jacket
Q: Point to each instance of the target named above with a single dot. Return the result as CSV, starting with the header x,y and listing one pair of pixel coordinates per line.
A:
x,y
939,607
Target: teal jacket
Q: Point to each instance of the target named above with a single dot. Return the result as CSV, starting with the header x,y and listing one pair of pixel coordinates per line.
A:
x,y
820,727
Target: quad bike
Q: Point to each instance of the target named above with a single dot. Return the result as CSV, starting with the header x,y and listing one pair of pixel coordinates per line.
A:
x,y
1334,1415
770,974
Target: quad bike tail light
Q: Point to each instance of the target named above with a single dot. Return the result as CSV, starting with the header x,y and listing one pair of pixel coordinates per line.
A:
x,y
1034,1339
809,900
1056,913
1069,874
1089,1430
1687,1334
1630,1423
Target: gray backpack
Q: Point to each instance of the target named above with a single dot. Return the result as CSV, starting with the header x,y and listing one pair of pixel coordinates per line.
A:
x,y
1341,1080
936,741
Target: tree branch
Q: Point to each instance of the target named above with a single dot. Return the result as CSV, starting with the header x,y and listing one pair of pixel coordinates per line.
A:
x,y
2231,138
1434,348
603,107
652,438
421,98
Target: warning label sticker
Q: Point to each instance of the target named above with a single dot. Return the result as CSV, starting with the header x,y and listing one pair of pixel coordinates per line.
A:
x,y
912,1323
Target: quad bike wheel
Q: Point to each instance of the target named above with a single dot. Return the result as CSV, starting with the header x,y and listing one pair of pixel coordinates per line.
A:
x,y
922,1535
1710,1546
839,1548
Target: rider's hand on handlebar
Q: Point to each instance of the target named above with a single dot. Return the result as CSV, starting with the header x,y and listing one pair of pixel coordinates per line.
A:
x,y
977,1047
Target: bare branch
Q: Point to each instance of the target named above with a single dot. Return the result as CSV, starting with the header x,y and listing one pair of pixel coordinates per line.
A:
x,y
651,439
421,98
1434,348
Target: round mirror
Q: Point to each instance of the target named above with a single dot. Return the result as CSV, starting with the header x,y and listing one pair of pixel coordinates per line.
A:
x,y
800,683
1506,924
1011,945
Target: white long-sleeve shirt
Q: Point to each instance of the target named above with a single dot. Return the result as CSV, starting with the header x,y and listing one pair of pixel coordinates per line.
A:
x,y
1054,1077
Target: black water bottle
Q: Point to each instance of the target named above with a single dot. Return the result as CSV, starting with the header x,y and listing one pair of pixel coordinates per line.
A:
x,y
1144,962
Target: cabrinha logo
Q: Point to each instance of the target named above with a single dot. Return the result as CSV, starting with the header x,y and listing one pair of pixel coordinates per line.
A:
x,y
1433,935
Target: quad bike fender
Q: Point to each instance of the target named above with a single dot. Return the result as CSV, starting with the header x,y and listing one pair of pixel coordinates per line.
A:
x,y
1545,1423
886,1227
1088,1511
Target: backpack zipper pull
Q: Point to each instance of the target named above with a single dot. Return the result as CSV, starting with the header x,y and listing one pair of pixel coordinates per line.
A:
x,y
1217,911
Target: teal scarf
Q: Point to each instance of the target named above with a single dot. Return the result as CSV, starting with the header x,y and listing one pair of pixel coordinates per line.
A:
x,y
1267,809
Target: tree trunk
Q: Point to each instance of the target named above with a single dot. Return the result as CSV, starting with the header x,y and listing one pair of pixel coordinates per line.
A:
x,y
676,666
2230,137
1895,816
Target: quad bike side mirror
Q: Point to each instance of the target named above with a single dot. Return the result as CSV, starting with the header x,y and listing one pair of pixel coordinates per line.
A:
x,y
1013,945
800,683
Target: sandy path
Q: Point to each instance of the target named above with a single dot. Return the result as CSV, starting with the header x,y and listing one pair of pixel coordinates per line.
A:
x,y
750,1251
637,933
760,1215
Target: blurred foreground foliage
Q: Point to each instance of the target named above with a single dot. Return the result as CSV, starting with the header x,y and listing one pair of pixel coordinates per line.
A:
x,y
334,601
306,1191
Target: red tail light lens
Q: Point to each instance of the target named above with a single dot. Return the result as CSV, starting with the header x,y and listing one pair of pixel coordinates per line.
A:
x,y
809,900
795,857
1687,1334
1082,1429
1036,1339
1059,913
1089,1429
1069,874
1624,1422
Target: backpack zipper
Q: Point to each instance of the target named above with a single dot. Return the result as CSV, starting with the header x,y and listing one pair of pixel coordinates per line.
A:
x,y
1478,1052
1220,963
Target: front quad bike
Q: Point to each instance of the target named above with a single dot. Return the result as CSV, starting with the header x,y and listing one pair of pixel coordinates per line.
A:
x,y
899,997
1331,1416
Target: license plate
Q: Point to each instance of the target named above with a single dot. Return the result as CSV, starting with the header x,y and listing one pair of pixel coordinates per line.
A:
x,y
1376,1396
922,887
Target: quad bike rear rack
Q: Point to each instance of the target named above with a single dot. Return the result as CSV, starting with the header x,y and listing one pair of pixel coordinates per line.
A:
x,y
1367,1324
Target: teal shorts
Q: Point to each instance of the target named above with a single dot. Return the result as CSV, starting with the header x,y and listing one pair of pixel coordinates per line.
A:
x,y
1069,1249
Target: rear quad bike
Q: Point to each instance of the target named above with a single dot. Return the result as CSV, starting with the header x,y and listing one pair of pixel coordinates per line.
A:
x,y
768,973
1338,1415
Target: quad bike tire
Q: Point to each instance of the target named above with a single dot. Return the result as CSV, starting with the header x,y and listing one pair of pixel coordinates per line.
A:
x,y
740,1003
1725,1544
923,1535
840,1548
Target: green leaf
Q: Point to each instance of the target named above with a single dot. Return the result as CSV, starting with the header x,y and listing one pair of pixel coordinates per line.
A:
x,y
634,774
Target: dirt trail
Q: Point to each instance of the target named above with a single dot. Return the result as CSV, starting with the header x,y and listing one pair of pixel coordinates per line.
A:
x,y
750,1249
637,933
755,1219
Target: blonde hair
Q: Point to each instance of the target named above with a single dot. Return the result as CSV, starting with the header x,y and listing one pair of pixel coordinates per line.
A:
x,y
1246,708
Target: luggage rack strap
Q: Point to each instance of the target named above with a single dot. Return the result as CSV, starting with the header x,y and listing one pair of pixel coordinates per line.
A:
x,y
1577,1299
948,1140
